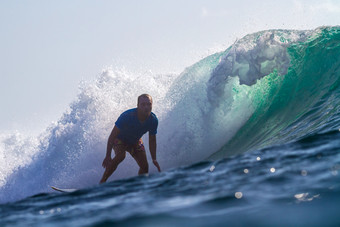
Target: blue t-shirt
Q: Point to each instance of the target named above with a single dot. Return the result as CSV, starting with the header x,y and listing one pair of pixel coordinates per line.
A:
x,y
131,129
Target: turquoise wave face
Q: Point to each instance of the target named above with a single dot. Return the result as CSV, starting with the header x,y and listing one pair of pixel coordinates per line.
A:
x,y
302,102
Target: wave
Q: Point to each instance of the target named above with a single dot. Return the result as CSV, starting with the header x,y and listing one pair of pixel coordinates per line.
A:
x,y
268,88
257,93
302,102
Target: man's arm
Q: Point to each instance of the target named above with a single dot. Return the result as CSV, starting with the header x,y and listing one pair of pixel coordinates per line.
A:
x,y
153,147
112,137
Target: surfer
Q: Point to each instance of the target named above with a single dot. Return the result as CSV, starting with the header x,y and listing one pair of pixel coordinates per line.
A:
x,y
126,136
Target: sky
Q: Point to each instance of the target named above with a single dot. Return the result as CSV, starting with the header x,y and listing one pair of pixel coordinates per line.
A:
x,y
48,47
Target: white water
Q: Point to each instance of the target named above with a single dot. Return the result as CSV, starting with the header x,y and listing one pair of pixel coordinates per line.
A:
x,y
253,57
69,153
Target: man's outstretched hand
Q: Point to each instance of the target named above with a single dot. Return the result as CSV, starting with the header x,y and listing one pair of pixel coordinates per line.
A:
x,y
157,165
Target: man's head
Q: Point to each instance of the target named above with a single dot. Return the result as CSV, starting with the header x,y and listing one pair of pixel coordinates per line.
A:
x,y
144,104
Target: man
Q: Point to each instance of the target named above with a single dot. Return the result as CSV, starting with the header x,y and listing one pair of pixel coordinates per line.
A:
x,y
127,135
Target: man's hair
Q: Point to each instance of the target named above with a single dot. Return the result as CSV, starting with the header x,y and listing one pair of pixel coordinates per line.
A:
x,y
144,96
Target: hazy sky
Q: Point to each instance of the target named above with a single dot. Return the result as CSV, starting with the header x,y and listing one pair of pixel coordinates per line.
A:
x,y
47,47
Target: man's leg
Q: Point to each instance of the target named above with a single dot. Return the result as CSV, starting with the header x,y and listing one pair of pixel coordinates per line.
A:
x,y
119,157
140,157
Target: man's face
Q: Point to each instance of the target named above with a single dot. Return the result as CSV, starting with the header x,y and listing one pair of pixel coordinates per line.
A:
x,y
145,106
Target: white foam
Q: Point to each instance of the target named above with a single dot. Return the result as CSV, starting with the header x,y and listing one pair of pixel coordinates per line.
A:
x,y
253,57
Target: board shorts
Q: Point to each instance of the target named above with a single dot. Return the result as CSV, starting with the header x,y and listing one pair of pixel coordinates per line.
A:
x,y
132,149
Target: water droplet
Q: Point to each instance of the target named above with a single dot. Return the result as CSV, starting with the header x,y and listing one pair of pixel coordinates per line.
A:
x,y
272,170
258,158
246,171
304,173
212,168
301,196
238,195
335,172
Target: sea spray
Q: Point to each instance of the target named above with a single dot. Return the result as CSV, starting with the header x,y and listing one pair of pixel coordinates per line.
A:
x,y
16,151
70,152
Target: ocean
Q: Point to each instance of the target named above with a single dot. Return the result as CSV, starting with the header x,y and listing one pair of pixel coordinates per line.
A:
x,y
249,136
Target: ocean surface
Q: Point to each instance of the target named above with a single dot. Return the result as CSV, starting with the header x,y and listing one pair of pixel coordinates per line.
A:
x,y
247,137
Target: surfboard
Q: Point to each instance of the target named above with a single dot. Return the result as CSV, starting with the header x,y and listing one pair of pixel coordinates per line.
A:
x,y
66,190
